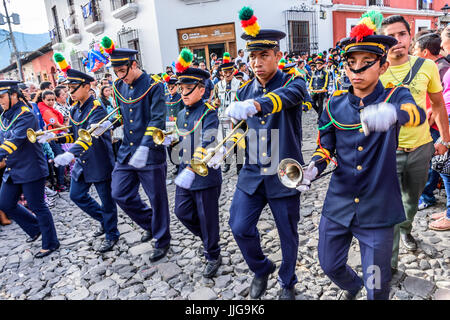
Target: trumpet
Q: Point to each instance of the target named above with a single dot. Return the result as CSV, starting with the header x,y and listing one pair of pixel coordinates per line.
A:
x,y
291,173
200,167
159,136
86,135
33,135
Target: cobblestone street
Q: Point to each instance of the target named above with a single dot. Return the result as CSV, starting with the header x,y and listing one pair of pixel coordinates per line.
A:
x,y
77,272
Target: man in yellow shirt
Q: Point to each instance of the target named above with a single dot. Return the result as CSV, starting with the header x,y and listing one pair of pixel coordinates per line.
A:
x,y
415,144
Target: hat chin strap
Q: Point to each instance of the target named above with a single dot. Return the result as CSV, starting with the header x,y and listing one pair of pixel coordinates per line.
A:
x,y
190,92
73,92
129,64
370,65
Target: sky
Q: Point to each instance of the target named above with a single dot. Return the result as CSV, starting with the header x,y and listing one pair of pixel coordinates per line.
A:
x,y
33,17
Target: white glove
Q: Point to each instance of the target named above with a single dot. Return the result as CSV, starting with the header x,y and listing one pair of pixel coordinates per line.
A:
x,y
169,140
140,157
241,110
378,118
100,128
45,137
185,179
308,175
64,159
217,159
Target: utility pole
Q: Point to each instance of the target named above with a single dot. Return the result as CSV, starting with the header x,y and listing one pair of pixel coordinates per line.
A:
x,y
13,40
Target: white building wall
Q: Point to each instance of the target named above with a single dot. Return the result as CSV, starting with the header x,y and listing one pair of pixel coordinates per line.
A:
x,y
158,21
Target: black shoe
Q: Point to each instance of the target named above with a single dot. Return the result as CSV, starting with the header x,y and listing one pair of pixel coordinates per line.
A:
x,y
287,294
346,295
99,232
159,253
33,239
259,285
212,267
408,241
41,255
226,168
147,236
107,245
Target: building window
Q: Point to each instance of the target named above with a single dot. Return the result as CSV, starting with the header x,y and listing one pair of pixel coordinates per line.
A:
x,y
70,26
129,38
302,31
116,4
379,3
55,33
77,61
91,12
424,5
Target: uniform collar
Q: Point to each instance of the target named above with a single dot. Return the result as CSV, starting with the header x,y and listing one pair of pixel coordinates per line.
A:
x,y
274,81
142,76
12,111
196,105
88,102
370,99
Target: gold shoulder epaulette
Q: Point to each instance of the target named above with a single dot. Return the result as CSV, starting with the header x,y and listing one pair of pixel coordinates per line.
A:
x,y
97,103
339,92
390,85
25,109
210,107
156,78
244,84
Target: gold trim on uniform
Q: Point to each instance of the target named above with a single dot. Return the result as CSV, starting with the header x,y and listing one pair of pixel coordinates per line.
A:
x,y
7,149
373,44
10,144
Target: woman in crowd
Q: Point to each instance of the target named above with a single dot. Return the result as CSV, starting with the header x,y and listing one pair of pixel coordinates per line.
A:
x,y
53,120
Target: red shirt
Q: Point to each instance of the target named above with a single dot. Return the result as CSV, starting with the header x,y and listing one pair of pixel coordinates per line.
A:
x,y
50,116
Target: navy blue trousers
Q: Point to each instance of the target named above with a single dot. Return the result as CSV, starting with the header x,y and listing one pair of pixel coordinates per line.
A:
x,y
41,221
199,212
376,251
106,214
125,191
244,215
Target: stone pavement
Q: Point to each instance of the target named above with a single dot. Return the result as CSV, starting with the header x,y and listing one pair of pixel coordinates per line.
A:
x,y
77,272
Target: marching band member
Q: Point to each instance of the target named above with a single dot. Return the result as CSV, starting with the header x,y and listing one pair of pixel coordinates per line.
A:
x,y
26,169
140,161
197,197
291,69
271,104
174,104
366,176
318,85
225,93
94,160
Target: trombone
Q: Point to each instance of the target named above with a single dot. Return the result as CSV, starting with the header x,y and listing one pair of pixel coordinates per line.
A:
x,y
291,173
33,135
200,167
86,135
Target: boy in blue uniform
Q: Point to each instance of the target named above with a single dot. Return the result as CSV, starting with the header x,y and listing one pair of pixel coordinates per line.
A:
x,y
363,199
26,169
318,85
271,105
94,159
140,161
197,197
